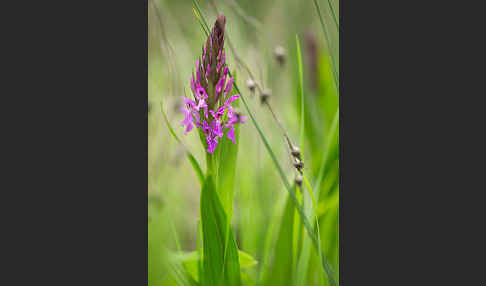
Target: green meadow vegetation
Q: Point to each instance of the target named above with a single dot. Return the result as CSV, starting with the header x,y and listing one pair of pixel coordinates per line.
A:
x,y
265,209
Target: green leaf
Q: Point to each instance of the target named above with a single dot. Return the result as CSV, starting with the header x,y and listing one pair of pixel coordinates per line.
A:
x,y
220,253
280,271
330,149
161,269
156,255
196,167
191,260
331,203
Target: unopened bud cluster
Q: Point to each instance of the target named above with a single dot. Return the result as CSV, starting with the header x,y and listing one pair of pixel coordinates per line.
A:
x,y
251,85
266,93
298,180
280,55
298,163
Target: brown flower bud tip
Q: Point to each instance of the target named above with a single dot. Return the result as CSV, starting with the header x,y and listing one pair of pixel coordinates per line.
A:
x,y
280,54
298,180
299,164
296,152
221,21
251,85
265,95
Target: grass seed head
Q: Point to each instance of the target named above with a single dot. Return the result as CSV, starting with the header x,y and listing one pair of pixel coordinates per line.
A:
x,y
280,55
298,180
298,164
251,85
265,95
296,152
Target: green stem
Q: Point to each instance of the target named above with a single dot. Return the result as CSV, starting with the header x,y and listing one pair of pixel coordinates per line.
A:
x,y
210,164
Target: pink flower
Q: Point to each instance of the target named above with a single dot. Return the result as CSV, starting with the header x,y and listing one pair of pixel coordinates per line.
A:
x,y
207,86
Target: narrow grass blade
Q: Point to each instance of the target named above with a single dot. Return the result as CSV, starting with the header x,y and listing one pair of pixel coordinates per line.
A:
x,y
333,15
196,167
280,271
200,17
273,227
161,267
330,139
302,99
220,265
336,81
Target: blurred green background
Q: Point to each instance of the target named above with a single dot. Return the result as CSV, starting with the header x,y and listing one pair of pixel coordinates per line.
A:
x,y
255,29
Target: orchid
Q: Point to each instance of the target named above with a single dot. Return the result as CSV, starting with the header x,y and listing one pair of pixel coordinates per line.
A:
x,y
211,87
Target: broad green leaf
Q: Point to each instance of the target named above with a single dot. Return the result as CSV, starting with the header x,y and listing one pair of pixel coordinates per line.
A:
x,y
220,253
190,261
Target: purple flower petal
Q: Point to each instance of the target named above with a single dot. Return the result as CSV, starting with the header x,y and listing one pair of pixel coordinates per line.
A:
x,y
208,71
231,99
219,86
229,86
231,134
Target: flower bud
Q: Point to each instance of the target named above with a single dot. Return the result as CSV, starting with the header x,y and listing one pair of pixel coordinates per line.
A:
x,y
298,164
298,180
251,85
280,54
296,152
265,95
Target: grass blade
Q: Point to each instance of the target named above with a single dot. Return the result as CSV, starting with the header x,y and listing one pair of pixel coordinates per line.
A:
x,y
330,139
302,99
196,167
333,15
280,271
201,18
336,81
